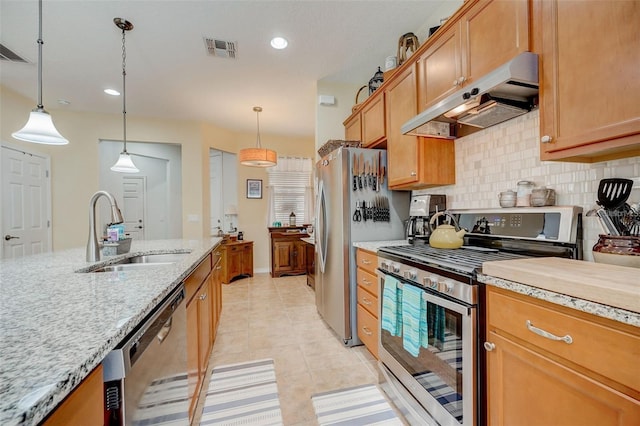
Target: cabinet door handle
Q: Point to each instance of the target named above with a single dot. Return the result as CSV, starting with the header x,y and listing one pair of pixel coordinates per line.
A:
x,y
203,296
488,346
366,301
367,331
413,174
540,332
546,139
366,282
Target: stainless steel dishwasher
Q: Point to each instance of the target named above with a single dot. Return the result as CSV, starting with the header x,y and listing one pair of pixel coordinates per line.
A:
x,y
146,375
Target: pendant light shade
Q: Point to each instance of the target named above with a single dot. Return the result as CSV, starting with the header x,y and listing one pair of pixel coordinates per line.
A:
x,y
258,156
39,127
125,162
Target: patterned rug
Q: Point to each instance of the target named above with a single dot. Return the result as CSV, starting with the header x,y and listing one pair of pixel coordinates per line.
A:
x,y
357,406
243,394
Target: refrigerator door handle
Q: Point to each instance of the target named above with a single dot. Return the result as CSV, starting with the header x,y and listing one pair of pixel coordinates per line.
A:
x,y
321,212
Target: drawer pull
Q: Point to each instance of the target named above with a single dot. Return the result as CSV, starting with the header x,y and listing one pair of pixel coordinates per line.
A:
x,y
540,332
366,281
367,331
366,301
366,261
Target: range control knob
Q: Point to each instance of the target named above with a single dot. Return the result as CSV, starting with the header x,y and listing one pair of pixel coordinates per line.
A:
x,y
446,287
431,282
411,274
384,265
396,268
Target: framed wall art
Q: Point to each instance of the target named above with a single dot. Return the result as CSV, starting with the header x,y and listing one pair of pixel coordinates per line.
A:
x,y
254,188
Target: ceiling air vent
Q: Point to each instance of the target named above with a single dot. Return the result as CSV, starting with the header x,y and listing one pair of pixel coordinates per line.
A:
x,y
7,54
220,48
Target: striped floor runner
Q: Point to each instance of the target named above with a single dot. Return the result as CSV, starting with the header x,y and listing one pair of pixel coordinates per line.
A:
x,y
358,406
243,394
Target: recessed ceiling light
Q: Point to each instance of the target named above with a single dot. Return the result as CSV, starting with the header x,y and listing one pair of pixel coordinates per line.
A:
x,y
279,43
112,92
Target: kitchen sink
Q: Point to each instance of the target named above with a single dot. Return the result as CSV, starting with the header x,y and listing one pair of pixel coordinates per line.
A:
x,y
142,261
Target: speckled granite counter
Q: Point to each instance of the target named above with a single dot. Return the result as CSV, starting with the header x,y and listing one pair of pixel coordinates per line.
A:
x,y
595,308
57,324
375,245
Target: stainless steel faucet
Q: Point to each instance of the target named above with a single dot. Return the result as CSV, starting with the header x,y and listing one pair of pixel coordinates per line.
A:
x,y
93,249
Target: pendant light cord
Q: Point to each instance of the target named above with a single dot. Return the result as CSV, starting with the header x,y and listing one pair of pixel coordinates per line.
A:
x,y
40,107
124,91
258,110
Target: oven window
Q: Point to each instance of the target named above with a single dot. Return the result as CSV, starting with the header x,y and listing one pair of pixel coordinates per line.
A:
x,y
438,367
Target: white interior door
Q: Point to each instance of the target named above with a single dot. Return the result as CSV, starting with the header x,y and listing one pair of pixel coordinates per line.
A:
x,y
134,206
26,203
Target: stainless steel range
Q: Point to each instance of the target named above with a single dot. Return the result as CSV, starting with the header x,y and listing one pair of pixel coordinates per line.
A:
x,y
431,306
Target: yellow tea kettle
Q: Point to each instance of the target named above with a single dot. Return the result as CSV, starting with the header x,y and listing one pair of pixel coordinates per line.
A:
x,y
445,236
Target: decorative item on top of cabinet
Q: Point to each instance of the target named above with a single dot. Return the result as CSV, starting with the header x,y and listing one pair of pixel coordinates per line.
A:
x,y
288,253
407,45
413,162
589,109
583,368
236,260
368,301
482,35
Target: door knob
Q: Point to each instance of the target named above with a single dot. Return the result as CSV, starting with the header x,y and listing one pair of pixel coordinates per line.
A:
x,y
9,237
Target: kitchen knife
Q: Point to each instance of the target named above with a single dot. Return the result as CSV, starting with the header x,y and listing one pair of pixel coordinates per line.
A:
x,y
379,169
354,170
361,171
375,174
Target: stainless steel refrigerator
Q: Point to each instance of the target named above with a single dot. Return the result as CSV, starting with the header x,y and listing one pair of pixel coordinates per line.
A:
x,y
353,204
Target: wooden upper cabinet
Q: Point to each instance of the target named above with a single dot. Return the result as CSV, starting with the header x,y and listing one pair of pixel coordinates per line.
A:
x,y
413,162
487,35
352,129
590,85
493,32
373,122
440,68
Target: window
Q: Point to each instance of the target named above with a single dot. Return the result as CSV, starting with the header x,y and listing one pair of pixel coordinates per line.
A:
x,y
289,189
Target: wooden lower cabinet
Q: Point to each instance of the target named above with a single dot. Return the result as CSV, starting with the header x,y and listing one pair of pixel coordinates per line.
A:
x,y
236,260
83,406
368,306
310,256
204,305
533,380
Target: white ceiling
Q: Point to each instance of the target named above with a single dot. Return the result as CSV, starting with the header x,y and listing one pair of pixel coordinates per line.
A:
x,y
169,73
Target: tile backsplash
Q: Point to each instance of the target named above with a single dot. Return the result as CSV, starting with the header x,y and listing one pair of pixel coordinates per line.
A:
x,y
495,159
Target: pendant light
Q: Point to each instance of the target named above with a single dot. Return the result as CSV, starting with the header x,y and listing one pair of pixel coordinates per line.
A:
x,y
39,127
124,163
258,156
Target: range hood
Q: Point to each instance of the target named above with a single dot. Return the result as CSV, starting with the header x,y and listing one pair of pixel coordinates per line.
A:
x,y
504,93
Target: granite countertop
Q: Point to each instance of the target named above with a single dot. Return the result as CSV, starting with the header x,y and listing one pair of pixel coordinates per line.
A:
x,y
604,290
58,324
375,245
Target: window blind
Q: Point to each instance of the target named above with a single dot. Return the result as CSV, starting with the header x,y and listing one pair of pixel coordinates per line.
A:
x,y
289,184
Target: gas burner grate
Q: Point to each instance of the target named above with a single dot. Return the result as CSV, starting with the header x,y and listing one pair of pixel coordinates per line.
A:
x,y
465,260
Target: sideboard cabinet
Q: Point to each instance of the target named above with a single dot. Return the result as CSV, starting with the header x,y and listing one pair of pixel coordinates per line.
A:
x,y
288,252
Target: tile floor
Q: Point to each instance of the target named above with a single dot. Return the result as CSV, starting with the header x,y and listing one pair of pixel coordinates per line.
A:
x,y
264,317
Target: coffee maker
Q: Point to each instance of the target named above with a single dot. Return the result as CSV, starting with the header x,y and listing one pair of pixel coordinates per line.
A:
x,y
421,209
